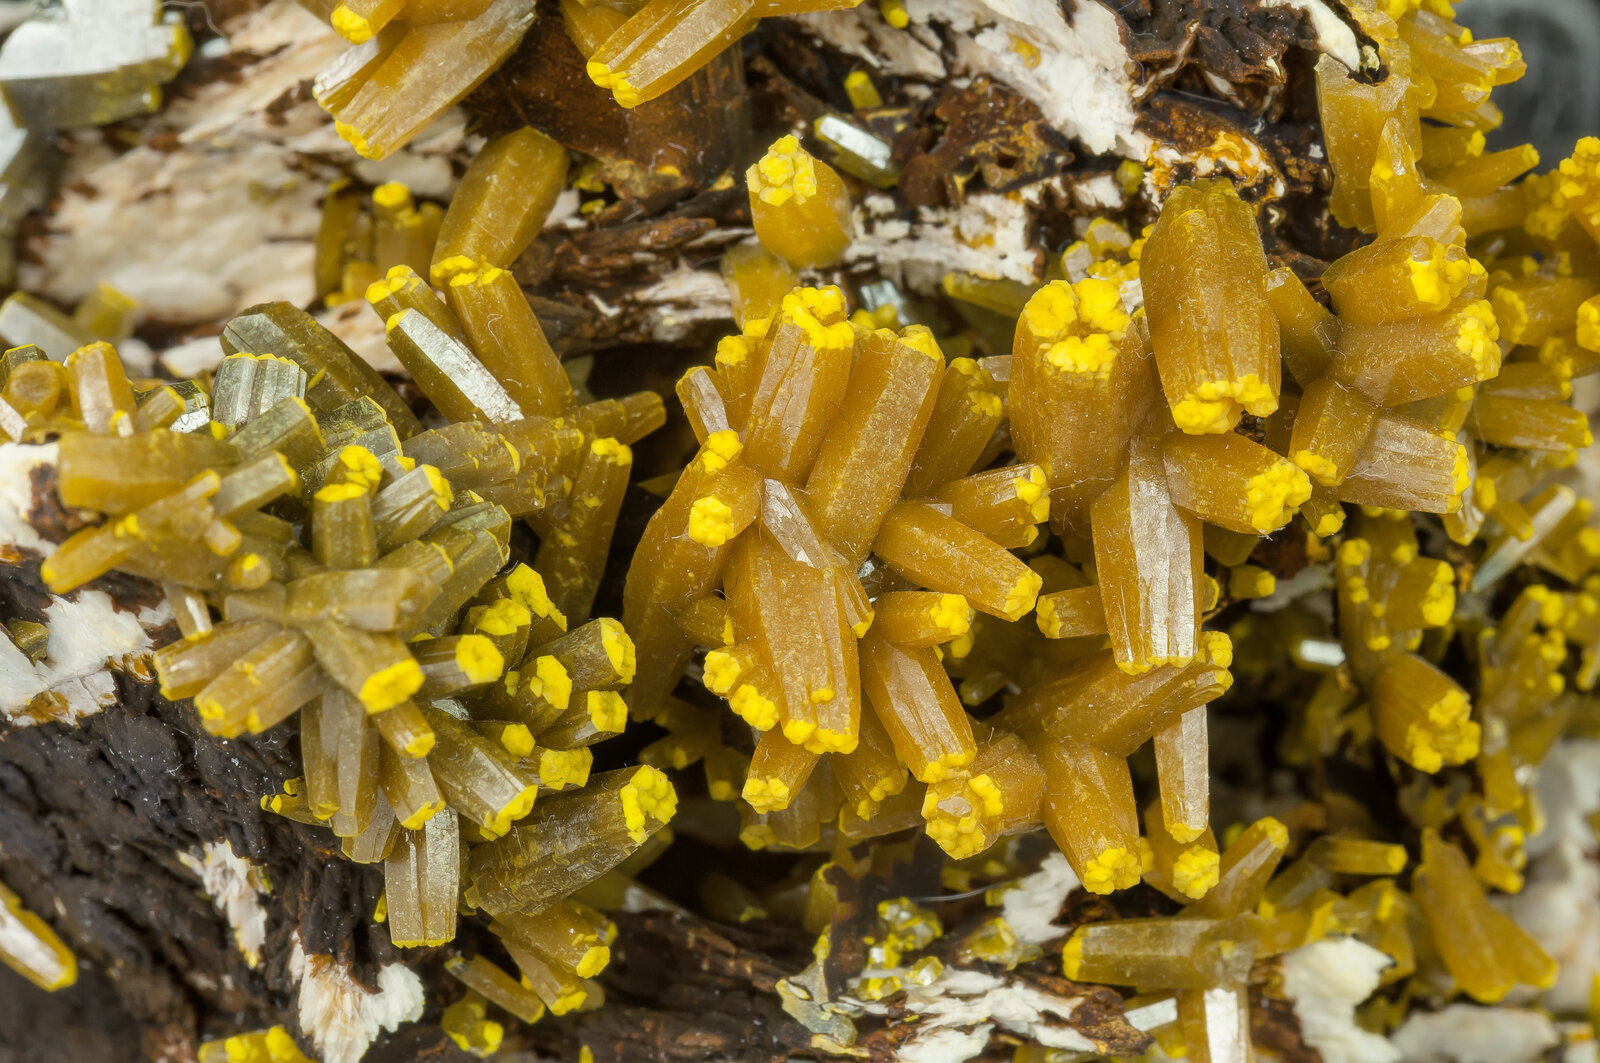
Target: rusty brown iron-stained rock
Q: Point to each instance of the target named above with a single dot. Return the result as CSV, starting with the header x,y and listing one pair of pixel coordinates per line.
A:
x,y
1237,41
651,155
983,129
1275,1028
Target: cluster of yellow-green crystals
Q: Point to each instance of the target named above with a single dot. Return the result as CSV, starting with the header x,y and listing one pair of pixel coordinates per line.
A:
x,y
845,546
873,541
325,555
412,60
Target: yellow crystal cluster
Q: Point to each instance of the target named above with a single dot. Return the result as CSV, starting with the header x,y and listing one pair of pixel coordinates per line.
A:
x,y
1172,399
850,556
326,556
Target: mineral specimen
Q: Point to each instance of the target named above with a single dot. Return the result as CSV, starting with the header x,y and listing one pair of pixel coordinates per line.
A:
x,y
1291,481
89,62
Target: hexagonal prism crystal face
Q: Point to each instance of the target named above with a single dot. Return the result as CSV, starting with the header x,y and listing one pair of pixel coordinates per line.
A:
x,y
90,62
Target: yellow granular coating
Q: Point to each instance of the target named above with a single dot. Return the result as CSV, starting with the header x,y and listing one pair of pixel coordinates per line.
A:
x,y
1048,619
1072,956
502,617
1100,305
344,492
391,195
721,671
962,834
894,13
553,682
1588,325
1460,476
1439,600
938,770
1275,831
353,28
423,813
951,614
513,810
607,711
465,279
799,731
574,998
1438,278
442,492
561,768
1031,490
1323,470
720,448
517,740
619,649
1022,595
527,588
1354,552
766,795
1476,334
1114,868
754,708
920,338
1431,746
1208,409
785,172
732,351
1195,871
1580,179
479,658
485,275
1048,315
1273,496
445,271
593,962
1183,833
1090,356
711,521
388,687
1547,211
984,788
836,336
396,280
354,138
1205,416
624,93
1216,648
647,795
617,453
360,465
